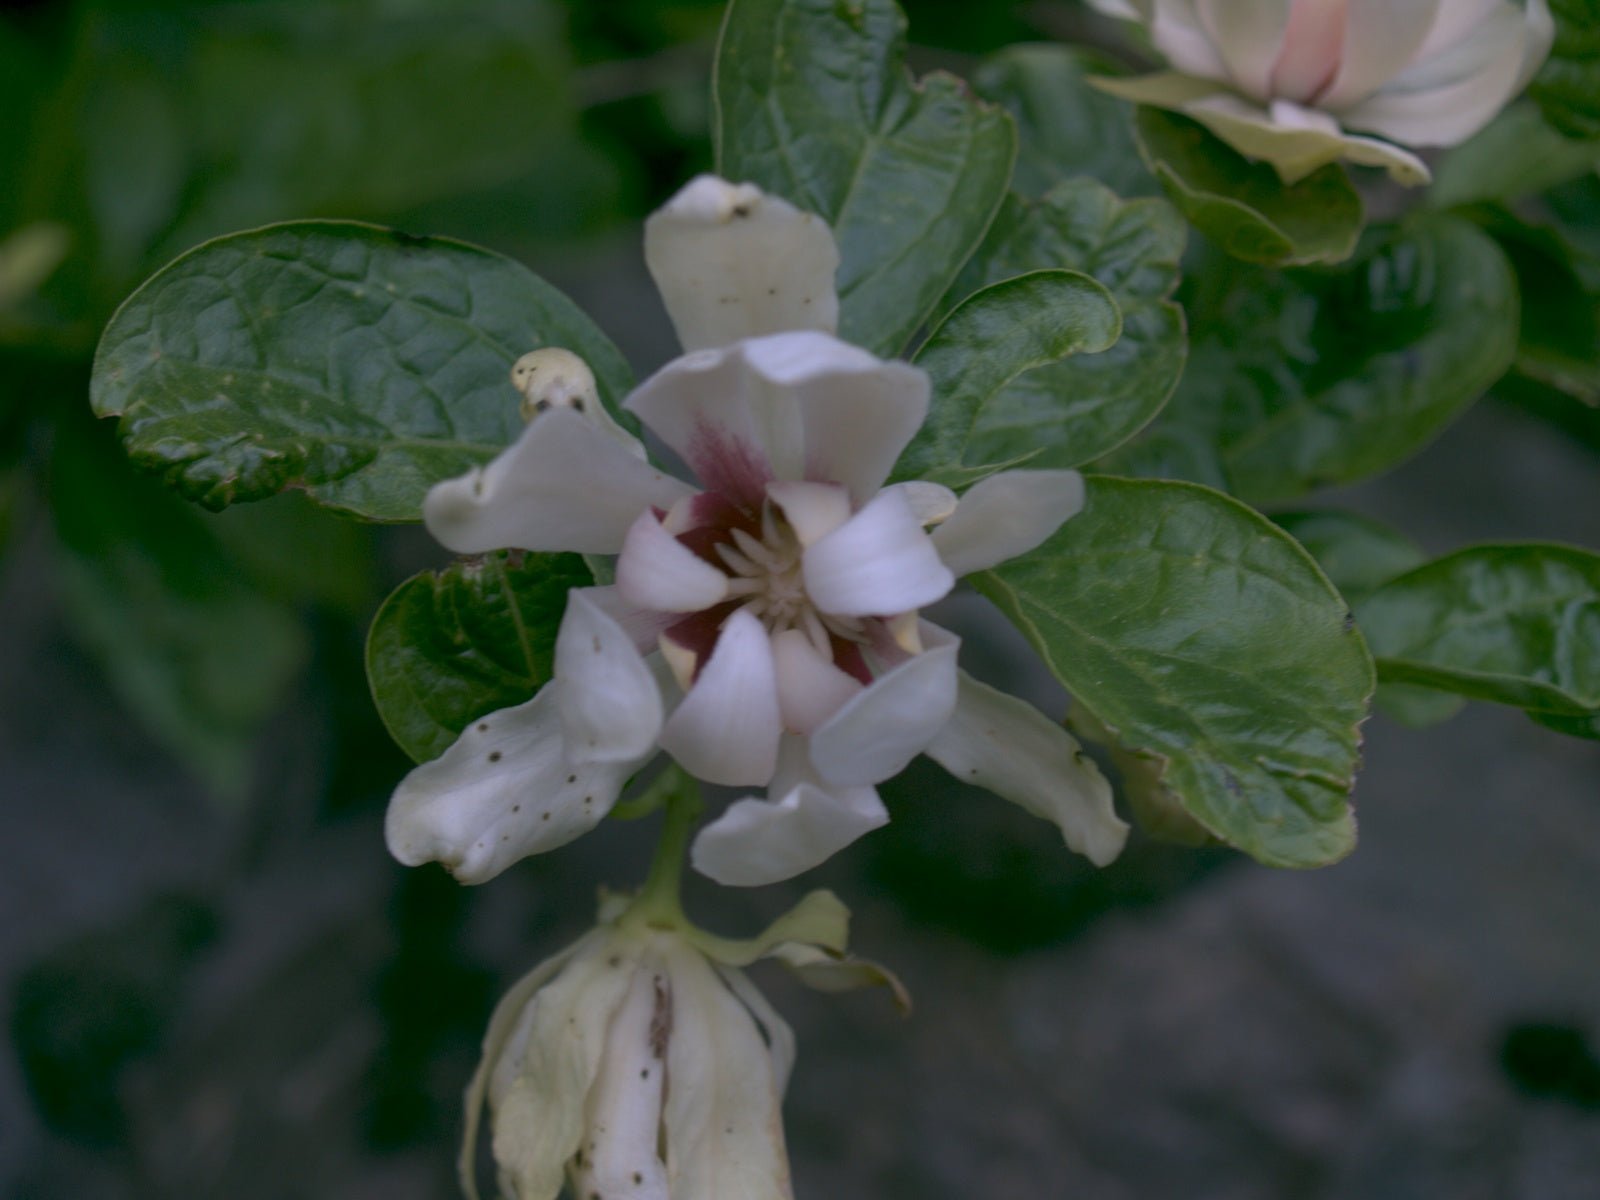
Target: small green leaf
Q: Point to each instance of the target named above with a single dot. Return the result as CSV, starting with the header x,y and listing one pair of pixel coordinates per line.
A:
x,y
1202,636
1515,624
994,336
1071,412
449,646
1065,128
1302,380
1567,88
1242,205
356,363
1517,154
812,102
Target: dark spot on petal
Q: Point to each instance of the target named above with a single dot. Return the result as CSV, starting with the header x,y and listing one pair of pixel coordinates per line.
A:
x,y
615,960
572,779
638,1177
541,406
494,756
544,816
516,808
741,210
483,727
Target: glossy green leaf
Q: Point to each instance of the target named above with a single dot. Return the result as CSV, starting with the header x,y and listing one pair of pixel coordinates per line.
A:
x,y
1515,624
1202,636
1065,128
1567,88
1360,555
1302,380
813,102
198,656
1074,411
356,363
994,336
1242,205
449,646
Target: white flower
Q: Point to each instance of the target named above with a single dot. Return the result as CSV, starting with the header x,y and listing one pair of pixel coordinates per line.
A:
x,y
1284,80
776,605
642,1064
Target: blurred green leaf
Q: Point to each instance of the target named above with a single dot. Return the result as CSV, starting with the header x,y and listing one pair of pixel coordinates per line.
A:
x,y
357,363
1301,380
449,646
301,554
1360,555
1205,640
1516,154
991,338
1074,411
1242,205
813,102
1567,88
1515,624
1065,128
197,655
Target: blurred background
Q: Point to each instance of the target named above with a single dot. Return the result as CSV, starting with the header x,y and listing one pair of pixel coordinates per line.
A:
x,y
215,981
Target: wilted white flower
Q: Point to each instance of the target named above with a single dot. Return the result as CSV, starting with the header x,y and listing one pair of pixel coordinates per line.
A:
x,y
1286,80
763,628
642,1064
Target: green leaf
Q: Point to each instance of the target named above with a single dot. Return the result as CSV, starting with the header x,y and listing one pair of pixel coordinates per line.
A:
x,y
197,655
1242,205
1578,727
356,363
1567,88
990,339
1302,380
1516,154
1515,624
812,102
1074,411
1199,633
1065,128
1360,555
449,646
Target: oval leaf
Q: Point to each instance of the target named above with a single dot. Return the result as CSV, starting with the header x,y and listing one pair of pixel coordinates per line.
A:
x,y
1567,88
1204,638
994,336
1072,412
1242,205
449,646
1516,624
812,102
357,363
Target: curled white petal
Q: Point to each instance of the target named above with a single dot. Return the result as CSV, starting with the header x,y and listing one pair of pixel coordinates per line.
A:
x,y
876,733
656,571
877,563
726,729
563,485
810,688
756,842
732,262
1005,515
813,510
504,790
1001,743
608,700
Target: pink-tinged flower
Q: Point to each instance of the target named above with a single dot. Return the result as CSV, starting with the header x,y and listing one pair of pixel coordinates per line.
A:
x,y
763,628
1286,80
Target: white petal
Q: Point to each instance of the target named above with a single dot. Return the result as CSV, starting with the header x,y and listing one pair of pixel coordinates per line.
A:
x,y
813,510
789,406
657,571
930,502
1380,38
1005,515
727,727
643,625
1444,99
877,563
780,1038
810,688
1313,43
724,1131
1453,21
756,842
503,791
1176,31
537,1091
732,262
622,1118
563,485
609,703
1000,743
892,720
1249,35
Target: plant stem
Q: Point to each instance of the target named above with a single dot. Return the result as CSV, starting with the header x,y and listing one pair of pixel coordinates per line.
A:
x,y
657,902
